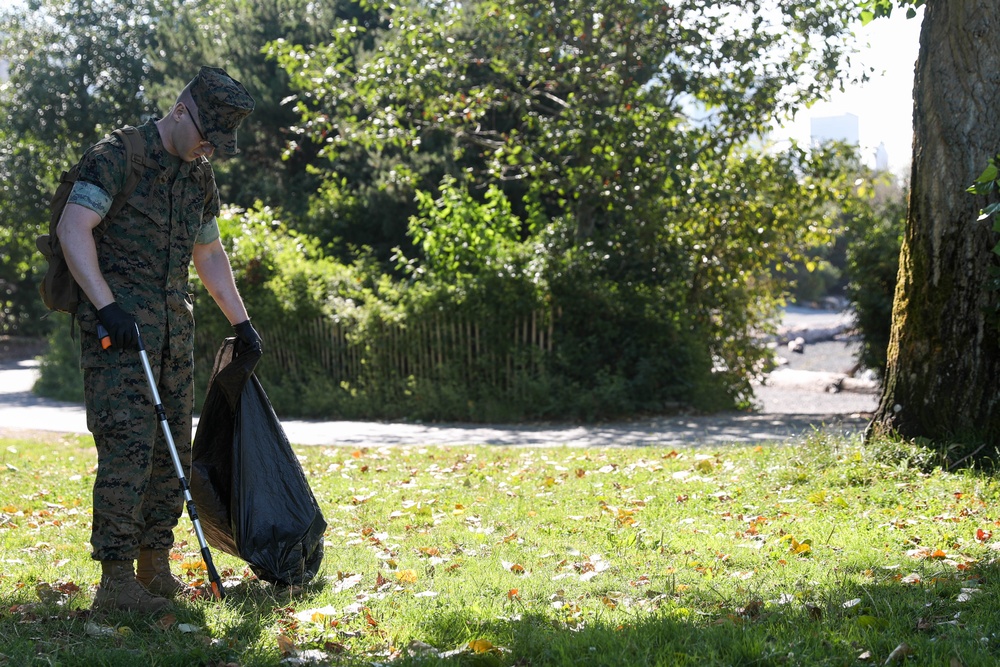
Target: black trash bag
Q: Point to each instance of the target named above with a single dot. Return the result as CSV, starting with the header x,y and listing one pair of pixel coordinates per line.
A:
x,y
249,489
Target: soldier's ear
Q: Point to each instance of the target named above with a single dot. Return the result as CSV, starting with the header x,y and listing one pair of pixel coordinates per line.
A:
x,y
178,111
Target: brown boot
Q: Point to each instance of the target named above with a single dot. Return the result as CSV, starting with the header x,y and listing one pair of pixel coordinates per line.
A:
x,y
119,591
154,573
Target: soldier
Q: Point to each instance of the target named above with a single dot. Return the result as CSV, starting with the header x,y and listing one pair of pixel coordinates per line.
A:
x,y
137,274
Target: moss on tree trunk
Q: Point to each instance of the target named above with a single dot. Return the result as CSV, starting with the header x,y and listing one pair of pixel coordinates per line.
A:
x,y
943,356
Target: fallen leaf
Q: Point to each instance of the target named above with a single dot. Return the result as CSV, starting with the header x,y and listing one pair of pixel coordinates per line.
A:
x,y
286,645
407,576
95,630
800,548
481,646
194,564
966,594
188,627
343,583
753,608
513,567
166,621
420,648
319,615
899,653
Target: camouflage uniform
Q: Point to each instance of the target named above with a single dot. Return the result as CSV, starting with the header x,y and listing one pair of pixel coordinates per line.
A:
x,y
144,256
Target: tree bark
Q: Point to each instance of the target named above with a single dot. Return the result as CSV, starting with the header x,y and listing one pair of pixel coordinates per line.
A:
x,y
943,355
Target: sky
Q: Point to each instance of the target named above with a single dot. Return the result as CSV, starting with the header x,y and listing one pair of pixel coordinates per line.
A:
x,y
884,105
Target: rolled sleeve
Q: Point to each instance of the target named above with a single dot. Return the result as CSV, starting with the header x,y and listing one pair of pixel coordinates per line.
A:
x,y
93,197
209,231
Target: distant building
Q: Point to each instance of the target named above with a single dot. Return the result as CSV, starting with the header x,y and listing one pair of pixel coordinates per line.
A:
x,y
834,128
881,158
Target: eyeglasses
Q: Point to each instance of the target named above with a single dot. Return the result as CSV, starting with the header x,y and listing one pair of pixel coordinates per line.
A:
x,y
200,133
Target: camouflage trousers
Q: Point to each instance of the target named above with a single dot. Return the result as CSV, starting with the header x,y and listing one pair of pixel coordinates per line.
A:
x,y
137,496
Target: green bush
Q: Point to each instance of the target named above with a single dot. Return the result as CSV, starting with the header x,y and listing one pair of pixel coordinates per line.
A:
x,y
872,266
60,376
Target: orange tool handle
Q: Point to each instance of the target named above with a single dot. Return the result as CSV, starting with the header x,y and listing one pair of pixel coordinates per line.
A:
x,y
102,333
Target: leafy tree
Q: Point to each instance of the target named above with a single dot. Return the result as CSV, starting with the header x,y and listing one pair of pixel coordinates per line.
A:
x,y
78,69
943,356
620,131
121,63
232,35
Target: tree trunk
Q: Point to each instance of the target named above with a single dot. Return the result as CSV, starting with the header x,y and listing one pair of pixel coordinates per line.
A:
x,y
943,355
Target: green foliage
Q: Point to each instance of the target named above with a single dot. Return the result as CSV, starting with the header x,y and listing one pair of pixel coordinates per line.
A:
x,y
618,135
233,34
872,268
583,165
60,376
287,285
77,69
873,9
459,238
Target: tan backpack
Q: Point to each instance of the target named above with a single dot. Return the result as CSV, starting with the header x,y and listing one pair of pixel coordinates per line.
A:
x,y
58,287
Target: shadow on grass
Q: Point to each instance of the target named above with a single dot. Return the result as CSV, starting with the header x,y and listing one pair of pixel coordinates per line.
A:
x,y
943,621
64,631
940,619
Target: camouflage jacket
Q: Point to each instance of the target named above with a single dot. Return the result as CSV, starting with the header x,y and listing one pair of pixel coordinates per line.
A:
x,y
146,250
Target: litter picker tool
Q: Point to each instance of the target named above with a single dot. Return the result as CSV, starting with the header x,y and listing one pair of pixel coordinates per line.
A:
x,y
213,575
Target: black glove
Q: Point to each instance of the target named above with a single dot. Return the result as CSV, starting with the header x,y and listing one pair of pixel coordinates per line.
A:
x,y
121,327
247,337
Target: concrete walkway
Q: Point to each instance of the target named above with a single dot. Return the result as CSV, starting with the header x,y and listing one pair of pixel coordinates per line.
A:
x,y
794,403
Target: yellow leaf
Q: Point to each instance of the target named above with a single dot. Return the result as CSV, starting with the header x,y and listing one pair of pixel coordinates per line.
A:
x,y
192,564
480,646
705,465
407,576
800,548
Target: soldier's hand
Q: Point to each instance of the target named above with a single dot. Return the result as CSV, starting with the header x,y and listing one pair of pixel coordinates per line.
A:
x,y
247,337
121,327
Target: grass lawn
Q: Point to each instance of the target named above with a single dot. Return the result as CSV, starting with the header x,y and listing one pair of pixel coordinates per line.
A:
x,y
827,552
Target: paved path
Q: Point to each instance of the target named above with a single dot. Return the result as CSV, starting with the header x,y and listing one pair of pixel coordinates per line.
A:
x,y
796,400
792,408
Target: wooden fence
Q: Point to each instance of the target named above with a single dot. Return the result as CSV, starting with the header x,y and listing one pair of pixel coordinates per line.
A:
x,y
429,347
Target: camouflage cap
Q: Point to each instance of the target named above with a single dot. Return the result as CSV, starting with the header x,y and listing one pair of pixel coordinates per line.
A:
x,y
222,103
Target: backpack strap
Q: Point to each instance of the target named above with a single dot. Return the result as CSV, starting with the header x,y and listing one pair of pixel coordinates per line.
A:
x,y
136,162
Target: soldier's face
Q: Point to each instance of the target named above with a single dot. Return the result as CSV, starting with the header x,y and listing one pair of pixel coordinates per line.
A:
x,y
193,142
